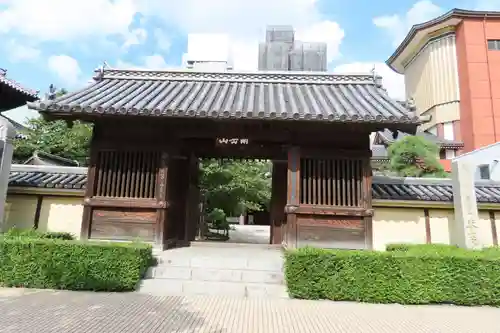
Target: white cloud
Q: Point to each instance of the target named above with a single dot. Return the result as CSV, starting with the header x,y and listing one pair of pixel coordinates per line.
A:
x,y
62,20
245,22
17,52
135,37
397,26
324,31
153,62
66,69
162,40
392,81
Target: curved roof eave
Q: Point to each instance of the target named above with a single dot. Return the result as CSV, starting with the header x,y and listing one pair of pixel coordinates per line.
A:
x,y
454,13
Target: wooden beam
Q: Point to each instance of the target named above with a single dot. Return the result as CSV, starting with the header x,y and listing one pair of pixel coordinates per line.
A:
x,y
125,202
293,175
428,236
161,198
333,210
494,231
38,210
90,189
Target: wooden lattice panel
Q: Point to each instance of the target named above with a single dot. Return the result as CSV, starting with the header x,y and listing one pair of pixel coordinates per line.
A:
x,y
332,182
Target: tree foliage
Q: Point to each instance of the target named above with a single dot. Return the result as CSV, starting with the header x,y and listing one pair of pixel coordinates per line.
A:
x,y
55,137
235,186
413,156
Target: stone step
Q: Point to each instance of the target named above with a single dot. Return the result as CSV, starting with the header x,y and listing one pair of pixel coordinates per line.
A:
x,y
215,274
228,262
178,287
219,245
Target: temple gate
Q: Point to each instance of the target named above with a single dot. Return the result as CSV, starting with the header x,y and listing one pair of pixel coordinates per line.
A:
x,y
152,127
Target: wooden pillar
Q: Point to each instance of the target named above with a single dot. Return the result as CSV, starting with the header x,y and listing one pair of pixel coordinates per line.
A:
x,y
494,232
192,211
171,221
293,191
161,197
178,182
367,201
90,187
278,201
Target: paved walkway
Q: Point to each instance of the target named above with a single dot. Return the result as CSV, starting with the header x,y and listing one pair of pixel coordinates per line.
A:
x,y
82,312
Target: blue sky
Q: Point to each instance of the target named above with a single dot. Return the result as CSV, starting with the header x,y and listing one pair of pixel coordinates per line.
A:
x,y
63,41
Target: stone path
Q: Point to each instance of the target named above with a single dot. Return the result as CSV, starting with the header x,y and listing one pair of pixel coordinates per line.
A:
x,y
81,312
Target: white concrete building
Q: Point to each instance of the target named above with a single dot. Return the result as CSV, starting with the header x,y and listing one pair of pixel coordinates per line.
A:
x,y
208,52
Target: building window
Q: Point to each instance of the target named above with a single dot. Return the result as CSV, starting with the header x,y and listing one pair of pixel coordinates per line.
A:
x,y
450,154
494,44
484,171
442,154
448,133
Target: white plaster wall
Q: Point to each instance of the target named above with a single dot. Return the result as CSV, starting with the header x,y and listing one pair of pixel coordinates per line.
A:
x,y
483,231
20,211
398,225
439,219
61,214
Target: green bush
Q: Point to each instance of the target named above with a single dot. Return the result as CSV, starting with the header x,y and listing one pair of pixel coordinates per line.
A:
x,y
460,277
33,233
58,235
421,247
74,265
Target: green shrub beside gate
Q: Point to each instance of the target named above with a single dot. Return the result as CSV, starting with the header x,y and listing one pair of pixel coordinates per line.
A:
x,y
56,263
405,274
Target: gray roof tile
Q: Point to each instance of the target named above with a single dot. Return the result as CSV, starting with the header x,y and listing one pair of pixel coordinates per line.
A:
x,y
426,189
379,152
386,136
256,95
48,177
31,94
19,128
383,188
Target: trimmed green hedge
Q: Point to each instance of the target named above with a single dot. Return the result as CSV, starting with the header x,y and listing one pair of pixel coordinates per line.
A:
x,y
74,265
405,277
33,233
420,248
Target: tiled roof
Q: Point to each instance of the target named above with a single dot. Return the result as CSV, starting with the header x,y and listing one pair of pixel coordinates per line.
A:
x,y
253,95
48,177
384,187
387,138
19,128
428,189
32,94
43,158
379,152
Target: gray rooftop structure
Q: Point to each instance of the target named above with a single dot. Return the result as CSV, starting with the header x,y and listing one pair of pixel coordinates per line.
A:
x,y
232,95
28,93
281,51
387,137
383,187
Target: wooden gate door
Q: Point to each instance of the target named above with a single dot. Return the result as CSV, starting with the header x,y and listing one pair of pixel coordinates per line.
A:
x,y
126,196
